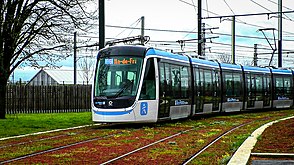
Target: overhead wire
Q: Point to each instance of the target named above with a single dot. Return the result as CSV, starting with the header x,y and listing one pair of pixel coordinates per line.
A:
x,y
277,4
283,7
207,7
229,7
137,21
288,18
208,12
194,6
196,27
237,20
260,5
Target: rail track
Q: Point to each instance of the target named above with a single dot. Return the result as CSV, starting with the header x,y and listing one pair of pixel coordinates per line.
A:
x,y
174,136
51,137
137,141
212,142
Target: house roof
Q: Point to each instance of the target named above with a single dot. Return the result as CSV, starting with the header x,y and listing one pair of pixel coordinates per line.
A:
x,y
67,76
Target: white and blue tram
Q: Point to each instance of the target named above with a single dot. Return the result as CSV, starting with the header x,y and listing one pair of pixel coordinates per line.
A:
x,y
142,84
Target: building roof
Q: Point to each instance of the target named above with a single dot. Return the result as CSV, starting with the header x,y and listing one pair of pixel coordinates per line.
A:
x,y
67,76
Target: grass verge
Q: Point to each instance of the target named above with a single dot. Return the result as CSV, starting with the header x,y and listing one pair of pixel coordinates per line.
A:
x,y
30,123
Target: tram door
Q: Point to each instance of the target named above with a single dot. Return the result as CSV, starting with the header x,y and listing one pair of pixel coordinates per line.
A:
x,y
198,95
216,91
251,90
267,90
164,90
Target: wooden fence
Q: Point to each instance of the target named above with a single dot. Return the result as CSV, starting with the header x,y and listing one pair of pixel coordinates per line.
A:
x,y
48,99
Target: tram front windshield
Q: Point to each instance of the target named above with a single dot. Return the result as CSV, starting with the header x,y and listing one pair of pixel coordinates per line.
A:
x,y
118,76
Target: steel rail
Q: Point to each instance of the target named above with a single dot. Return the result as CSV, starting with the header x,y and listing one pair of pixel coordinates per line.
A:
x,y
146,146
212,142
57,148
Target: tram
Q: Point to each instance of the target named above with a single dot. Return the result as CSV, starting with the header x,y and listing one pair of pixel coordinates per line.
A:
x,y
143,84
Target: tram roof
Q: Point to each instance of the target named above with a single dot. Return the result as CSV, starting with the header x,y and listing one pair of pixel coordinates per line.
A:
x,y
282,71
207,63
123,50
153,51
231,66
256,69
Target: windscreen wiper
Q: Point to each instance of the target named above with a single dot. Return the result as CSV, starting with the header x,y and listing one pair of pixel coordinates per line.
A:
x,y
126,86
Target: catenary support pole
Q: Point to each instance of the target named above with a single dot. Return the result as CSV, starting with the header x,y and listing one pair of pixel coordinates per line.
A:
x,y
233,40
280,46
101,24
255,55
142,29
199,28
75,58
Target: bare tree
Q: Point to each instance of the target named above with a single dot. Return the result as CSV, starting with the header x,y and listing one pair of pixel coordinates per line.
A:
x,y
34,31
86,64
225,58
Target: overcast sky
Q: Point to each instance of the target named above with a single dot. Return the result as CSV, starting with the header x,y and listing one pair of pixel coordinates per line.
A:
x,y
167,16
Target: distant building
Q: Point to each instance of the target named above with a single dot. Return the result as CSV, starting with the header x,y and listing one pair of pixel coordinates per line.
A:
x,y
59,76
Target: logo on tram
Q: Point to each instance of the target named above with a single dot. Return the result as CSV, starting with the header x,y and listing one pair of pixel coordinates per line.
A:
x,y
144,108
110,103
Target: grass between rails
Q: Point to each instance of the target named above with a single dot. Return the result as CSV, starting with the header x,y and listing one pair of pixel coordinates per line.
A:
x,y
30,123
172,151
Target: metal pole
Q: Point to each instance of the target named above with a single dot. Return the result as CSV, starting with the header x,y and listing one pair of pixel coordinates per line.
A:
x,y
255,55
101,24
280,47
233,39
199,28
75,58
203,40
142,29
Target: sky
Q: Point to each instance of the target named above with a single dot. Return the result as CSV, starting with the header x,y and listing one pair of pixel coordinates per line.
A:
x,y
168,21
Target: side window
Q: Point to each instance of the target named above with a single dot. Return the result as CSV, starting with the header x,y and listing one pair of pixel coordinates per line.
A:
x,y
279,86
228,84
237,84
207,83
259,87
201,82
185,82
165,80
287,87
176,80
148,88
233,86
168,80
215,81
197,79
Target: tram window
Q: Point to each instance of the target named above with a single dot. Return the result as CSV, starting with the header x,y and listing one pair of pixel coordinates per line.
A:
x,y
229,84
258,80
201,81
287,85
197,78
131,75
162,79
215,81
197,81
233,84
283,87
118,78
176,80
208,82
184,82
148,87
279,86
267,83
168,91
259,87
237,84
